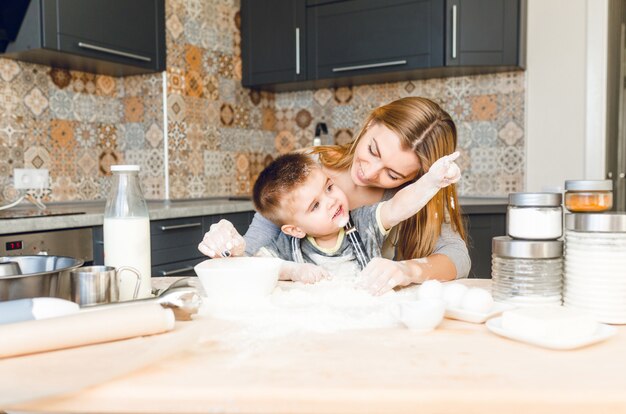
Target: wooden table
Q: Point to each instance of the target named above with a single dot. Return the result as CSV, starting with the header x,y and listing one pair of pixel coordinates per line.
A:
x,y
458,368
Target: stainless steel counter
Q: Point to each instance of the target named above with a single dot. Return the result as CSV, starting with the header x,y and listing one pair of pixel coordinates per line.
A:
x,y
91,213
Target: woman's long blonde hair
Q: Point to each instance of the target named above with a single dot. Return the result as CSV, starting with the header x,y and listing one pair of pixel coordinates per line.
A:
x,y
424,127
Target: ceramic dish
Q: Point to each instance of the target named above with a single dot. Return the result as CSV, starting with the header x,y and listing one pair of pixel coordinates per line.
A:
x,y
477,317
603,332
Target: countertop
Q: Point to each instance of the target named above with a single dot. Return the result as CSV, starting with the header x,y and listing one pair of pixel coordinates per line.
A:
x,y
459,367
92,212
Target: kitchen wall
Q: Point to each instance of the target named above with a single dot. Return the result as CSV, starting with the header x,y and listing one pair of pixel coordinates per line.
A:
x,y
220,135
566,92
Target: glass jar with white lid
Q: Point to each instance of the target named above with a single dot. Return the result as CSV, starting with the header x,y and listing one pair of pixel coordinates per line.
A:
x,y
527,272
535,216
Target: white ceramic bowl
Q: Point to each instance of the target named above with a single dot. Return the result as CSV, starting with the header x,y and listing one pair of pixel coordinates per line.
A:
x,y
238,279
421,315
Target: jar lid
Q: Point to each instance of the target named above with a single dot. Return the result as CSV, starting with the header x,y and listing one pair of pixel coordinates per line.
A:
x,y
535,199
588,185
599,222
129,167
504,246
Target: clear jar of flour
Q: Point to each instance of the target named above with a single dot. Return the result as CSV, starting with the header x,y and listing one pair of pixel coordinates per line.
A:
x,y
535,216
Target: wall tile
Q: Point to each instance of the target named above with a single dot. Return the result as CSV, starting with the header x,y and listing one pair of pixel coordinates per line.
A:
x,y
220,134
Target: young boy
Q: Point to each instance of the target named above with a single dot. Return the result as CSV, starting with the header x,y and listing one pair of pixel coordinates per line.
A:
x,y
295,194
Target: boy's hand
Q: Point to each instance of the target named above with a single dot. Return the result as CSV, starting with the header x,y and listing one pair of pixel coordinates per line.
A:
x,y
444,171
222,240
303,272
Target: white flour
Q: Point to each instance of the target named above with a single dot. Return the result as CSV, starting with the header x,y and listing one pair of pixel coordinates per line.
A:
x,y
324,307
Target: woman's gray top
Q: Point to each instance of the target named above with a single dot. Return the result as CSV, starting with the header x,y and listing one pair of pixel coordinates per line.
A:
x,y
262,231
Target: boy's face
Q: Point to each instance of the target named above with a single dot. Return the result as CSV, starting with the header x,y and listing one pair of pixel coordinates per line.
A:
x,y
318,207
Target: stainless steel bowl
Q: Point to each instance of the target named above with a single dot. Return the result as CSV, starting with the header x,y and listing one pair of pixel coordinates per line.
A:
x,y
42,276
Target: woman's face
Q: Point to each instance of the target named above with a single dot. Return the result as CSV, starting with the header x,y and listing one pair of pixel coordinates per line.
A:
x,y
380,161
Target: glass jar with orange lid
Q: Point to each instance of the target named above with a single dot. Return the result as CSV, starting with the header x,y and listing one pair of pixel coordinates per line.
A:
x,y
586,196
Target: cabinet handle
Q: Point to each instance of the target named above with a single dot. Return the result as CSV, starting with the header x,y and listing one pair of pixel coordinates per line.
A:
x,y
370,65
454,31
297,50
176,271
181,226
113,52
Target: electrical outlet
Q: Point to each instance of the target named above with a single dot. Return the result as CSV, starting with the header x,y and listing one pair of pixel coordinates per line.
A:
x,y
25,178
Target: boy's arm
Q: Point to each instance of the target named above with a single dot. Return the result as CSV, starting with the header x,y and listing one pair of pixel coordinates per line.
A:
x,y
412,198
297,272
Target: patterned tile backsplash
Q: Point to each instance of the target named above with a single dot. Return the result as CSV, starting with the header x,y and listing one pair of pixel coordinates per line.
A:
x,y
220,135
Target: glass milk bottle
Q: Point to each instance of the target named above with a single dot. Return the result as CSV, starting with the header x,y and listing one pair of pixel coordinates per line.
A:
x,y
127,231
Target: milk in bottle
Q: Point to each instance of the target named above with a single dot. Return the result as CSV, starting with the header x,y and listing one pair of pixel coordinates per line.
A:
x,y
127,231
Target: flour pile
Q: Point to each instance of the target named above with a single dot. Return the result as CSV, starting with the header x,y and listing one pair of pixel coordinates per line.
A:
x,y
324,307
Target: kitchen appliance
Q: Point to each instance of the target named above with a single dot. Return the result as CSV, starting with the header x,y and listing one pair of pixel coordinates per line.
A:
x,y
76,243
41,276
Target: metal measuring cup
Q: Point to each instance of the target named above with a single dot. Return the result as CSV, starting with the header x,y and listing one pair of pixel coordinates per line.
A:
x,y
94,285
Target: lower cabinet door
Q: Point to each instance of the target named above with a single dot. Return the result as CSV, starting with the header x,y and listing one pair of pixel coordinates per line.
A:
x,y
481,229
184,268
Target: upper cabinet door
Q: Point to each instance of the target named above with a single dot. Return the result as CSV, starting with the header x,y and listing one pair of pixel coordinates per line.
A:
x,y
273,36
358,37
483,33
118,30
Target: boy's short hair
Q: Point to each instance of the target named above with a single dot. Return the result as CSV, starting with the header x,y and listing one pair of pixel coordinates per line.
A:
x,y
277,181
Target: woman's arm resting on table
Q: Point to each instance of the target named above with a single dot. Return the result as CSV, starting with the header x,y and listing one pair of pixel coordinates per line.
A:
x,y
381,275
449,260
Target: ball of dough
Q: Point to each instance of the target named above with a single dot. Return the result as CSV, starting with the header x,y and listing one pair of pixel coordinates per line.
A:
x,y
431,289
453,294
477,300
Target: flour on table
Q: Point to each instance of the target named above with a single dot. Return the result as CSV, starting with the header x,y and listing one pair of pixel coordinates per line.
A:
x,y
324,307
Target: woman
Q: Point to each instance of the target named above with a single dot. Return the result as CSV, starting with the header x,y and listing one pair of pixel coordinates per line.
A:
x,y
397,145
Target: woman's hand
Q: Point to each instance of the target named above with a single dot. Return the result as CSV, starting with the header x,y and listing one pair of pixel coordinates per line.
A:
x,y
444,171
381,275
222,240
303,272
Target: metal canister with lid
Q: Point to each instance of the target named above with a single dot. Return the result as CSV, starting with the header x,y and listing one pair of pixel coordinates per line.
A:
x,y
586,196
535,216
527,272
595,265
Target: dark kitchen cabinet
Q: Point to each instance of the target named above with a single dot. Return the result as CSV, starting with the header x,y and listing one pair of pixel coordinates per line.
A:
x,y
484,33
174,242
481,229
350,42
351,38
115,37
273,41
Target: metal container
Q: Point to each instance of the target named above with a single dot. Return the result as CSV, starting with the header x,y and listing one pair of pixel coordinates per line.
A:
x,y
9,268
95,285
42,276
